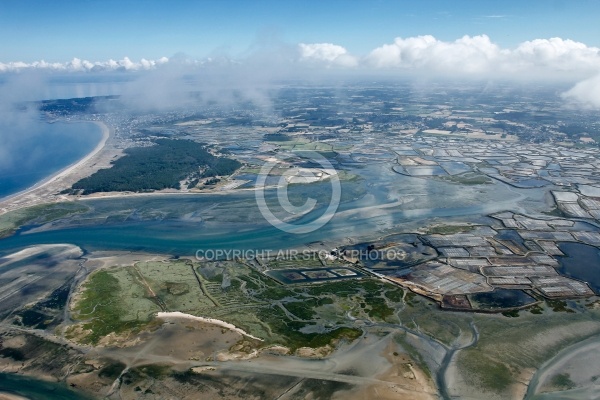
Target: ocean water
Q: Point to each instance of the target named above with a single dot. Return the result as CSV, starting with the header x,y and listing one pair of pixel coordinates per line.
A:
x,y
35,389
43,150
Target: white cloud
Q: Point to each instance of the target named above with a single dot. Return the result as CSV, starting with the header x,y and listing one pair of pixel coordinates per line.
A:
x,y
78,65
467,57
548,58
586,93
558,54
467,54
327,53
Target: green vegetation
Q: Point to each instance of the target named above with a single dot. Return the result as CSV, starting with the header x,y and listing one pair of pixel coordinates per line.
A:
x,y
100,302
347,287
511,313
186,376
212,181
449,229
260,278
576,130
413,353
15,354
304,309
193,183
112,370
157,167
122,300
288,330
427,318
562,381
58,298
144,373
275,293
503,351
320,389
323,148
410,297
154,371
468,178
72,106
33,318
487,372
377,307
40,214
536,309
394,295
559,306
46,312
555,212
593,304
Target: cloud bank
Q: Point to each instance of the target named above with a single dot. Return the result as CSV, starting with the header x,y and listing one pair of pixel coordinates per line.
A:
x,y
78,65
469,57
555,57
585,93
328,54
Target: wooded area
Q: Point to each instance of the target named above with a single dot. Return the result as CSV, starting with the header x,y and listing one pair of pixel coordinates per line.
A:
x,y
158,167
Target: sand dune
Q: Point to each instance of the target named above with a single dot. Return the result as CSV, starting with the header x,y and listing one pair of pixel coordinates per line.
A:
x,y
213,321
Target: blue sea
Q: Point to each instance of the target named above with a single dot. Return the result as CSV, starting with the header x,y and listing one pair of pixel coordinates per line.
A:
x,y
34,389
44,149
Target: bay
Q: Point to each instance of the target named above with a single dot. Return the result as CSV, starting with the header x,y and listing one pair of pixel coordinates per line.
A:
x,y
42,151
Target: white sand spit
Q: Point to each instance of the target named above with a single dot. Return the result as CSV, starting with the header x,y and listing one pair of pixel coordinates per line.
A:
x,y
178,314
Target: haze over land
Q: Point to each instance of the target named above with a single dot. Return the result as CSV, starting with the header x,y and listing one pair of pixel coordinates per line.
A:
x,y
169,83
248,48
542,60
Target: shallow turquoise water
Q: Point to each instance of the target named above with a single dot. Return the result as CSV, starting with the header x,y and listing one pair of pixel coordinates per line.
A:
x,y
181,225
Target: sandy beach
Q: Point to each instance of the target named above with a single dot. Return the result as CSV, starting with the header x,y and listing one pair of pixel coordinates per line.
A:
x,y
213,321
10,396
68,170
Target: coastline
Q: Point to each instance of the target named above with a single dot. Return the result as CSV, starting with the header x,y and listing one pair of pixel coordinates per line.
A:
x,y
39,193
10,396
69,168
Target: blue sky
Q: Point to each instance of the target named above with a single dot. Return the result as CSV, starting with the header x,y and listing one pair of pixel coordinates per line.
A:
x,y
58,31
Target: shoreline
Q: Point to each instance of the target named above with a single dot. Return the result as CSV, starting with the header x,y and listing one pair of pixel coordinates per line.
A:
x,y
6,395
46,190
105,130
